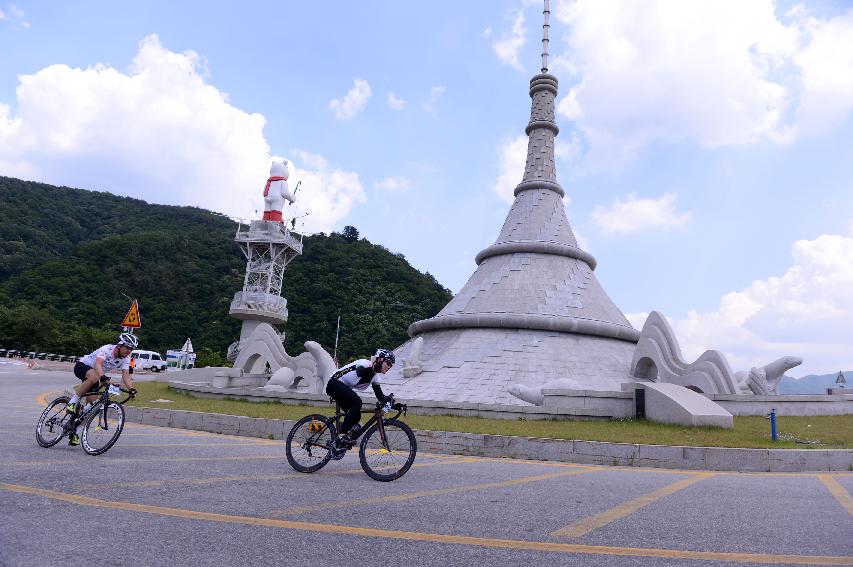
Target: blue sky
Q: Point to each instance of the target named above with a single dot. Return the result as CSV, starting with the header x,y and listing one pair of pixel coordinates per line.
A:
x,y
705,147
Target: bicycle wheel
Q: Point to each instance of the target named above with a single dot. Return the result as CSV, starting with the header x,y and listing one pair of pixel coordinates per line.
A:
x,y
103,426
52,423
308,443
388,462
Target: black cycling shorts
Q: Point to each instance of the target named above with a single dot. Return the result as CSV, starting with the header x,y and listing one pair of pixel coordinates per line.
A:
x,y
80,370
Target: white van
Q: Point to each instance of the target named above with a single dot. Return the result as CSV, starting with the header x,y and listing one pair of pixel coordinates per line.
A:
x,y
148,360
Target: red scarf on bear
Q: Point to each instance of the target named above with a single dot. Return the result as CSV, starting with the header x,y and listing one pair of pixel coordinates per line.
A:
x,y
270,180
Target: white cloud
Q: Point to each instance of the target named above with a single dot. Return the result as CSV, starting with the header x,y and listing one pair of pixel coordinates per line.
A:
x,y
827,72
636,214
393,183
508,45
396,102
327,194
14,12
512,157
353,102
157,132
807,312
434,94
712,73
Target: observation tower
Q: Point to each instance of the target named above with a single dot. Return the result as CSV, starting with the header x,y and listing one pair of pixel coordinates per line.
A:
x,y
268,247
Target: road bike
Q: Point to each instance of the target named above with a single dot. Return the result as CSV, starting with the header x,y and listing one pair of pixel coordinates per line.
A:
x,y
387,450
102,421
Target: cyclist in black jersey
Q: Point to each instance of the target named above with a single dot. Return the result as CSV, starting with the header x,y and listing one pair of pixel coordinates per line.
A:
x,y
342,386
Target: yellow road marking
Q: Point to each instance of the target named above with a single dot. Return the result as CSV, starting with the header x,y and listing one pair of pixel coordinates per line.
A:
x,y
425,493
585,526
193,459
187,481
838,491
146,460
431,537
42,398
215,480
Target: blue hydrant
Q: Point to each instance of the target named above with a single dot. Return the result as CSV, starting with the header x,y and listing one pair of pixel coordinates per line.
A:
x,y
772,417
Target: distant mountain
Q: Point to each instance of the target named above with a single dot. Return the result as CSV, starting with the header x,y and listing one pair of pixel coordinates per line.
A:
x,y
69,256
813,383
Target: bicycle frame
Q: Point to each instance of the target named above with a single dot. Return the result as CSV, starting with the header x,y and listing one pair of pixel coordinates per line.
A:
x,y
103,394
376,417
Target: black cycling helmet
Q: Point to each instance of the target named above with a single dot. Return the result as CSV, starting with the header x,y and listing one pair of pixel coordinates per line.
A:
x,y
385,354
129,340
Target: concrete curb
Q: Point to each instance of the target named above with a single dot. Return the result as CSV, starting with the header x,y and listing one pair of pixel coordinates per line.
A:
x,y
560,450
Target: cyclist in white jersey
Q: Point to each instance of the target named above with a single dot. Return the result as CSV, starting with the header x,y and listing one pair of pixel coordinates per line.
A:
x,y
92,368
357,376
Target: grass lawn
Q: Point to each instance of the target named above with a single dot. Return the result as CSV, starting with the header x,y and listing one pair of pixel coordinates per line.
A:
x,y
816,432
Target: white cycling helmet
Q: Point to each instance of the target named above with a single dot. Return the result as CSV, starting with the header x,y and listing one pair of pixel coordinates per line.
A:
x,y
128,339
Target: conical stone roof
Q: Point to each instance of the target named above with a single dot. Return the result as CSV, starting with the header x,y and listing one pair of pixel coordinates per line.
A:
x,y
533,311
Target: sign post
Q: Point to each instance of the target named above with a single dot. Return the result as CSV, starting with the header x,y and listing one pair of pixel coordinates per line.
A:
x,y
132,320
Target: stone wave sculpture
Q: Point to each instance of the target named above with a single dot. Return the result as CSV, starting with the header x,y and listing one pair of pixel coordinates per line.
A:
x,y
324,363
658,358
285,378
264,345
765,380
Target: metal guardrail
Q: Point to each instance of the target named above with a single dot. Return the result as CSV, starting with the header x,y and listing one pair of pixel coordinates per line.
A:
x,y
33,355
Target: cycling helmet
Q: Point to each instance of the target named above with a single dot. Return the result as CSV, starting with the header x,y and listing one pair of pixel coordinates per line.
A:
x,y
386,354
128,339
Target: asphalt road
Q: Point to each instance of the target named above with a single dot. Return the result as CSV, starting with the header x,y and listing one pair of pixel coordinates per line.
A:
x,y
173,497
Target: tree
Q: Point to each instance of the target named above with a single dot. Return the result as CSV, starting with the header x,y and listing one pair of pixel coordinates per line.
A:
x,y
207,357
33,328
350,233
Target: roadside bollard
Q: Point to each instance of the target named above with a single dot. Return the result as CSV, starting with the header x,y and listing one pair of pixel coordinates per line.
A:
x,y
772,417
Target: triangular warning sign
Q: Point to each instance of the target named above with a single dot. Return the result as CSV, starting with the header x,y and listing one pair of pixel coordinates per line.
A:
x,y
132,317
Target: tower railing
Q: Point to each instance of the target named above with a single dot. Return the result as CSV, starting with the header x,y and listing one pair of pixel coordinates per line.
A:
x,y
269,231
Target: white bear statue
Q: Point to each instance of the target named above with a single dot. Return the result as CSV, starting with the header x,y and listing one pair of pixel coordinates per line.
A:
x,y
276,191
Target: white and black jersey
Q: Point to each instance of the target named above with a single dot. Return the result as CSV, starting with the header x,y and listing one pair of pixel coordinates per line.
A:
x,y
359,375
105,353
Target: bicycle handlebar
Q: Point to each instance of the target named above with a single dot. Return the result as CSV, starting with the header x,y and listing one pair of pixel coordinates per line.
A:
x,y
398,407
105,385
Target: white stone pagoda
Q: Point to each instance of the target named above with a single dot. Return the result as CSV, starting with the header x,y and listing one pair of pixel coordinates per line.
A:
x,y
533,311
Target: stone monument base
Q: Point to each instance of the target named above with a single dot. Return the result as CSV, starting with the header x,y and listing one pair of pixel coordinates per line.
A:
x,y
558,403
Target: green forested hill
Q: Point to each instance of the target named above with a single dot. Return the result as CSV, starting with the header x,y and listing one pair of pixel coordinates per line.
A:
x,y
67,256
